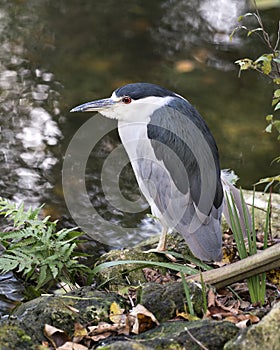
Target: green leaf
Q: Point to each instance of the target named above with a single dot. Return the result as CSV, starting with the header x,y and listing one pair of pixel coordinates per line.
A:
x,y
7,264
276,93
264,58
250,32
269,128
44,277
276,124
276,81
172,266
269,117
35,249
268,179
245,63
247,14
277,107
187,294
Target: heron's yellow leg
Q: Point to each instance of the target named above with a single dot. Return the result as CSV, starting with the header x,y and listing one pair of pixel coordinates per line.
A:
x,y
162,240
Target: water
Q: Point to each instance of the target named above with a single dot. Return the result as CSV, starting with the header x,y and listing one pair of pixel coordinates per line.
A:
x,y
55,55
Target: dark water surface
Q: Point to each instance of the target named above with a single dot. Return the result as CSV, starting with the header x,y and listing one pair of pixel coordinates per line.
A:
x,y
57,54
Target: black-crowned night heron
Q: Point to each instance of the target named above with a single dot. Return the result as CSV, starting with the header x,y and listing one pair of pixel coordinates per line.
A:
x,y
175,160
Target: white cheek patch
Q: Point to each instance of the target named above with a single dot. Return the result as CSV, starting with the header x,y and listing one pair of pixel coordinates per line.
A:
x,y
138,110
141,110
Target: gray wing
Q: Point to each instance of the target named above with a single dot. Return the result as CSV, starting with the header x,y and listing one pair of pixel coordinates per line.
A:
x,y
183,179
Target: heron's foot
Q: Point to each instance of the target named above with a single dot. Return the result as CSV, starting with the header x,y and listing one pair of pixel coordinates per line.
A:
x,y
162,247
156,250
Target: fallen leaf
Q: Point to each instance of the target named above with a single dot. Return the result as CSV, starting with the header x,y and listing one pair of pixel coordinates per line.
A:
x,y
251,318
102,327
187,316
242,324
101,336
153,275
211,298
55,335
69,345
233,308
79,332
232,319
116,313
143,319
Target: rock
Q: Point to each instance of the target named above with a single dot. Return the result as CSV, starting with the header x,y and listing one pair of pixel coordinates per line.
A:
x,y
119,276
178,335
62,312
164,300
265,335
12,337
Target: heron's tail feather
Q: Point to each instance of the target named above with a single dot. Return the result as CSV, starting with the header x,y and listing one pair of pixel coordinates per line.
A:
x,y
234,198
206,241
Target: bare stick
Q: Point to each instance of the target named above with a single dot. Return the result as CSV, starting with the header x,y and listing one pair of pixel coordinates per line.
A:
x,y
264,261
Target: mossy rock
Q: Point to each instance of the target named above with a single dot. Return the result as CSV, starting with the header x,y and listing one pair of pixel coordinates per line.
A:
x,y
62,312
12,337
117,277
165,300
178,336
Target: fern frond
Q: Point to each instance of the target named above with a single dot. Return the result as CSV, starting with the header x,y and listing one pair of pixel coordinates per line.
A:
x,y
35,250
7,264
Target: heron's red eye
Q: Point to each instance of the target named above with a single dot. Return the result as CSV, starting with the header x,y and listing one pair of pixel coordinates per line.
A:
x,y
126,100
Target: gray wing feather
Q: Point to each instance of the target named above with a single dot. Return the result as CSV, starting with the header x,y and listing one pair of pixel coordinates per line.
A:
x,y
183,179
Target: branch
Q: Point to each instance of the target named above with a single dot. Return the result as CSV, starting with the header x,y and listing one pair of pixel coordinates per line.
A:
x,y
264,261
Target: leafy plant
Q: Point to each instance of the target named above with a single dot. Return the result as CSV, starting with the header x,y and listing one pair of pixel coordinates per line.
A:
x,y
187,294
256,284
268,64
35,249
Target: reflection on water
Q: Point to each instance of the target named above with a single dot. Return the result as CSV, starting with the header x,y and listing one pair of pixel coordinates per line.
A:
x,y
28,130
188,24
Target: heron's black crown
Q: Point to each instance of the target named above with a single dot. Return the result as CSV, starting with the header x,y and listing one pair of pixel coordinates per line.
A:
x,y
140,90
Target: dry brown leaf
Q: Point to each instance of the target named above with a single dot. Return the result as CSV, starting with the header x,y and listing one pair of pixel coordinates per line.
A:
x,y
211,298
229,253
100,336
55,335
242,324
102,327
124,326
251,318
143,319
232,308
153,275
232,319
72,346
79,332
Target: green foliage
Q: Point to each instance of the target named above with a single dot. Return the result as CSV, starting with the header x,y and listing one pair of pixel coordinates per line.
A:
x,y
256,284
35,249
267,64
187,294
173,266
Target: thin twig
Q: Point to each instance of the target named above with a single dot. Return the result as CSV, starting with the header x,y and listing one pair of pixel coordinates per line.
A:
x,y
196,340
278,37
